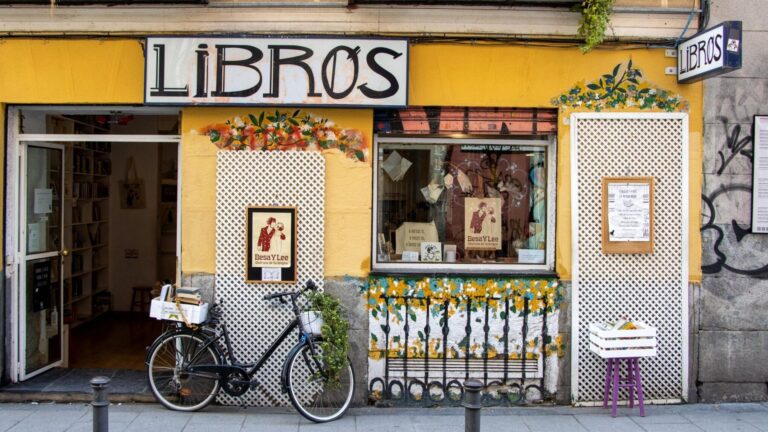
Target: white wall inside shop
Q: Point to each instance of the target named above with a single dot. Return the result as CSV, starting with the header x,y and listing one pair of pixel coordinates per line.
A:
x,y
132,229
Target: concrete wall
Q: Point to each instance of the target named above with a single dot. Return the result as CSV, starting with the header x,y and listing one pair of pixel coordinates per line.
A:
x,y
731,307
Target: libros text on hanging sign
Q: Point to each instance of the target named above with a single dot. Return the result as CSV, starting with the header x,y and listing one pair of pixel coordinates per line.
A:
x,y
272,71
709,53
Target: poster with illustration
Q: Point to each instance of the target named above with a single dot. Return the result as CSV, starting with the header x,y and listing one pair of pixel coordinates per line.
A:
x,y
482,223
271,244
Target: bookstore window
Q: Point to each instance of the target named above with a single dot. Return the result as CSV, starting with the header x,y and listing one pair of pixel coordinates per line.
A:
x,y
463,204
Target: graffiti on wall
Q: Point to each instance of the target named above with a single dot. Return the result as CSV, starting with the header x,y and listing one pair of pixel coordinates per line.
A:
x,y
286,131
428,335
623,87
737,146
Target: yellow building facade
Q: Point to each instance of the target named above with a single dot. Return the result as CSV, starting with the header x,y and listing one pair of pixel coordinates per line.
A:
x,y
110,72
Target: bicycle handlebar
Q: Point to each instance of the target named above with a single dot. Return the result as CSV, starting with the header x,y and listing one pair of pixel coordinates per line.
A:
x,y
310,286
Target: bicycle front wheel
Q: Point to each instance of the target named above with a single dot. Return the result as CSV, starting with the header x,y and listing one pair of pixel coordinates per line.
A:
x,y
172,383
312,394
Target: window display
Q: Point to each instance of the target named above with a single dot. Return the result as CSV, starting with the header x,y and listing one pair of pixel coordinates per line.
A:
x,y
461,202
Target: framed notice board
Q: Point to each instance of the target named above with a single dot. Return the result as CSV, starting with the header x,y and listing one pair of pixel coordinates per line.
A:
x,y
270,243
627,215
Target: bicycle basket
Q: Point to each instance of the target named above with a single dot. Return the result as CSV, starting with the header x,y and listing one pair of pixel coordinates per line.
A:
x,y
311,322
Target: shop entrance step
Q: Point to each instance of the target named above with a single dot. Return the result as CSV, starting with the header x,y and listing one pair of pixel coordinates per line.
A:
x,y
73,385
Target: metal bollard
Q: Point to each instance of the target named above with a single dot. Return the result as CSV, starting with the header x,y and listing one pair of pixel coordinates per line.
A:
x,y
472,405
100,404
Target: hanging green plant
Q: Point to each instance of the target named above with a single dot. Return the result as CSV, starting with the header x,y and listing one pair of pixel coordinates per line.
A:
x,y
595,16
335,330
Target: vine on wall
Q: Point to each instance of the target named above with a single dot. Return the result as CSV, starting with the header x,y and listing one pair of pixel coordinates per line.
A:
x,y
595,17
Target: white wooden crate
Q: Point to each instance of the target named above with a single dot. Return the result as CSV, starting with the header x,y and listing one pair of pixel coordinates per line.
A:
x,y
164,310
609,343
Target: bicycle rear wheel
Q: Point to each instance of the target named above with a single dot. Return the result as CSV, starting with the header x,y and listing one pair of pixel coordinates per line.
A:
x,y
169,378
311,394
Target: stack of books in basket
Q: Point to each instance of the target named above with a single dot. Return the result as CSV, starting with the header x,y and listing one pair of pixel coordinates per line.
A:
x,y
189,295
190,307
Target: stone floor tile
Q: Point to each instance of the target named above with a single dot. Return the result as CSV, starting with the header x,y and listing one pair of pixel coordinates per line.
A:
x,y
553,423
671,427
756,419
276,422
606,423
384,423
720,421
223,419
660,418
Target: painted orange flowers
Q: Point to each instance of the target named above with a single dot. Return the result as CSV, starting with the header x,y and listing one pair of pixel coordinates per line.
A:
x,y
283,131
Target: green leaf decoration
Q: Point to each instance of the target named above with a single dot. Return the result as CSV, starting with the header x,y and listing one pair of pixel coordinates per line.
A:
x,y
617,90
253,119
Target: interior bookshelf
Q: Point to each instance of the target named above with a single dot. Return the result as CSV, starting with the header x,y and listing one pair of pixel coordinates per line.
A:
x,y
88,168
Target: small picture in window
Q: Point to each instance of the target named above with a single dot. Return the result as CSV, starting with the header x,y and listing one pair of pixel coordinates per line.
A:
x,y
431,252
482,223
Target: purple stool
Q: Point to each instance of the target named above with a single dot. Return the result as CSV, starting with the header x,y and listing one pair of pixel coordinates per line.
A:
x,y
633,383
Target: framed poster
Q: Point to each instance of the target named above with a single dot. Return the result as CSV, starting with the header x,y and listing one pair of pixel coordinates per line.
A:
x,y
482,224
270,243
627,215
760,175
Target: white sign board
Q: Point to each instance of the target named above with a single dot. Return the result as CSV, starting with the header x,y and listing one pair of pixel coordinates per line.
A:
x,y
760,176
709,53
629,212
276,71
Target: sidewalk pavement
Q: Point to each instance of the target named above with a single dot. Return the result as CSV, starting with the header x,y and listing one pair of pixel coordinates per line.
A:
x,y
48,417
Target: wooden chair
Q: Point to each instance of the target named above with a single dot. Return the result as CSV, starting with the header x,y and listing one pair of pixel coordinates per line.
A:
x,y
141,298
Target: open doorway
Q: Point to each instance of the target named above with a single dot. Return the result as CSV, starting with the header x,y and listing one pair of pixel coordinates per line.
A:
x,y
98,237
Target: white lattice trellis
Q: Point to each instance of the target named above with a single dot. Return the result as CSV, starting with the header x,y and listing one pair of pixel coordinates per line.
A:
x,y
650,288
264,178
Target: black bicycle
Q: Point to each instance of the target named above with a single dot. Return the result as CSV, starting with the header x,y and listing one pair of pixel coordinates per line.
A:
x,y
187,367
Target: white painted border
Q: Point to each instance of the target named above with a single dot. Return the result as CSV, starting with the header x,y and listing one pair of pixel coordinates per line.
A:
x,y
13,257
574,259
686,186
99,138
574,121
550,145
24,258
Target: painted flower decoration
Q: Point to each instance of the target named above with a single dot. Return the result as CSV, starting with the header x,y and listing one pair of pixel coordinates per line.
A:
x,y
284,131
614,90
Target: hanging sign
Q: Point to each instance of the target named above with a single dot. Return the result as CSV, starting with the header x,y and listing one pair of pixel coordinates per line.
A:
x,y
760,176
710,53
627,210
270,241
272,71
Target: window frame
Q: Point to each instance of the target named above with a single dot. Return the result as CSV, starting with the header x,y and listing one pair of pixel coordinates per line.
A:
x,y
549,143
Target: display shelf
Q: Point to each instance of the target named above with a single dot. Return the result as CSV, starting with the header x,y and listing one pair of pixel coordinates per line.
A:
x,y
87,172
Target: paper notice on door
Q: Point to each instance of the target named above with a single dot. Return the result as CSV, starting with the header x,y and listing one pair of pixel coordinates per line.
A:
x,y
43,201
34,238
629,212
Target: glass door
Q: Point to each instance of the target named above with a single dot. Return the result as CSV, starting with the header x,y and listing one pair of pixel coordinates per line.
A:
x,y
43,253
